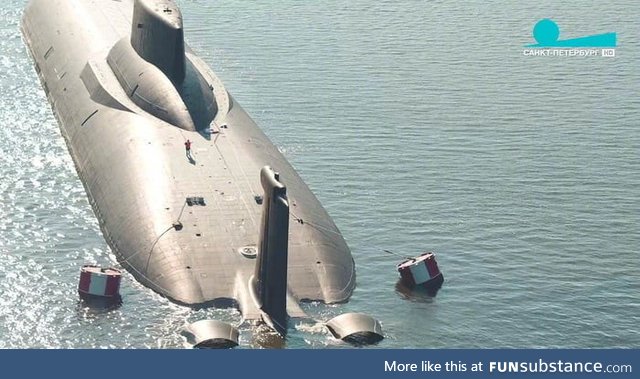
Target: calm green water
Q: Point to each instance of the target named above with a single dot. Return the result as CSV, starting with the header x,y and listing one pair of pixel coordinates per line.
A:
x,y
421,126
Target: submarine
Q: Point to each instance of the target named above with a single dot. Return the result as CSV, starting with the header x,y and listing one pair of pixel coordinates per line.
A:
x,y
191,196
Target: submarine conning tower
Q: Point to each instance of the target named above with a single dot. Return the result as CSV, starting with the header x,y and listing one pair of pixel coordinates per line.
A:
x,y
151,65
157,36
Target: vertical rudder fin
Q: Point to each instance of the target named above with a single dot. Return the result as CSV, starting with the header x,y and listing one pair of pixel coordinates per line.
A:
x,y
269,282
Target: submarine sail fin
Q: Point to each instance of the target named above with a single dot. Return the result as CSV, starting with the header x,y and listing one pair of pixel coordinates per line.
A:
x,y
269,282
157,36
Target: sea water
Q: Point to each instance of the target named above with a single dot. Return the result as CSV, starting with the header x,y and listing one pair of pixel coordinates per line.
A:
x,y
421,126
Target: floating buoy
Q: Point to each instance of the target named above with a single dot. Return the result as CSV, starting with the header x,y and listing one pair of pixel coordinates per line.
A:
x,y
421,271
97,282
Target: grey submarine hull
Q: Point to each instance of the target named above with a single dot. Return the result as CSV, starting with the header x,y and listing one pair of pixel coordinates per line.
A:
x,y
127,93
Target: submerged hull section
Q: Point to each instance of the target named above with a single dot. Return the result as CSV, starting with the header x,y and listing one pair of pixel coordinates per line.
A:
x,y
131,159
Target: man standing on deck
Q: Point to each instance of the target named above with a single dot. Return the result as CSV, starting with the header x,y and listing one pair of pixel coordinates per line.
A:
x,y
187,146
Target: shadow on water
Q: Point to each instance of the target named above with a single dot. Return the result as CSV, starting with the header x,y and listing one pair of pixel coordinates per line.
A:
x,y
92,307
417,294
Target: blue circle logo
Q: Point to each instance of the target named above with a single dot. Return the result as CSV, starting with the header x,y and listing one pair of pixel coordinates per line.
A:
x,y
546,32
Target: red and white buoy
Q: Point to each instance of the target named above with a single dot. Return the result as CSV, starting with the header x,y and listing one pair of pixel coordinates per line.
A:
x,y
97,282
421,271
